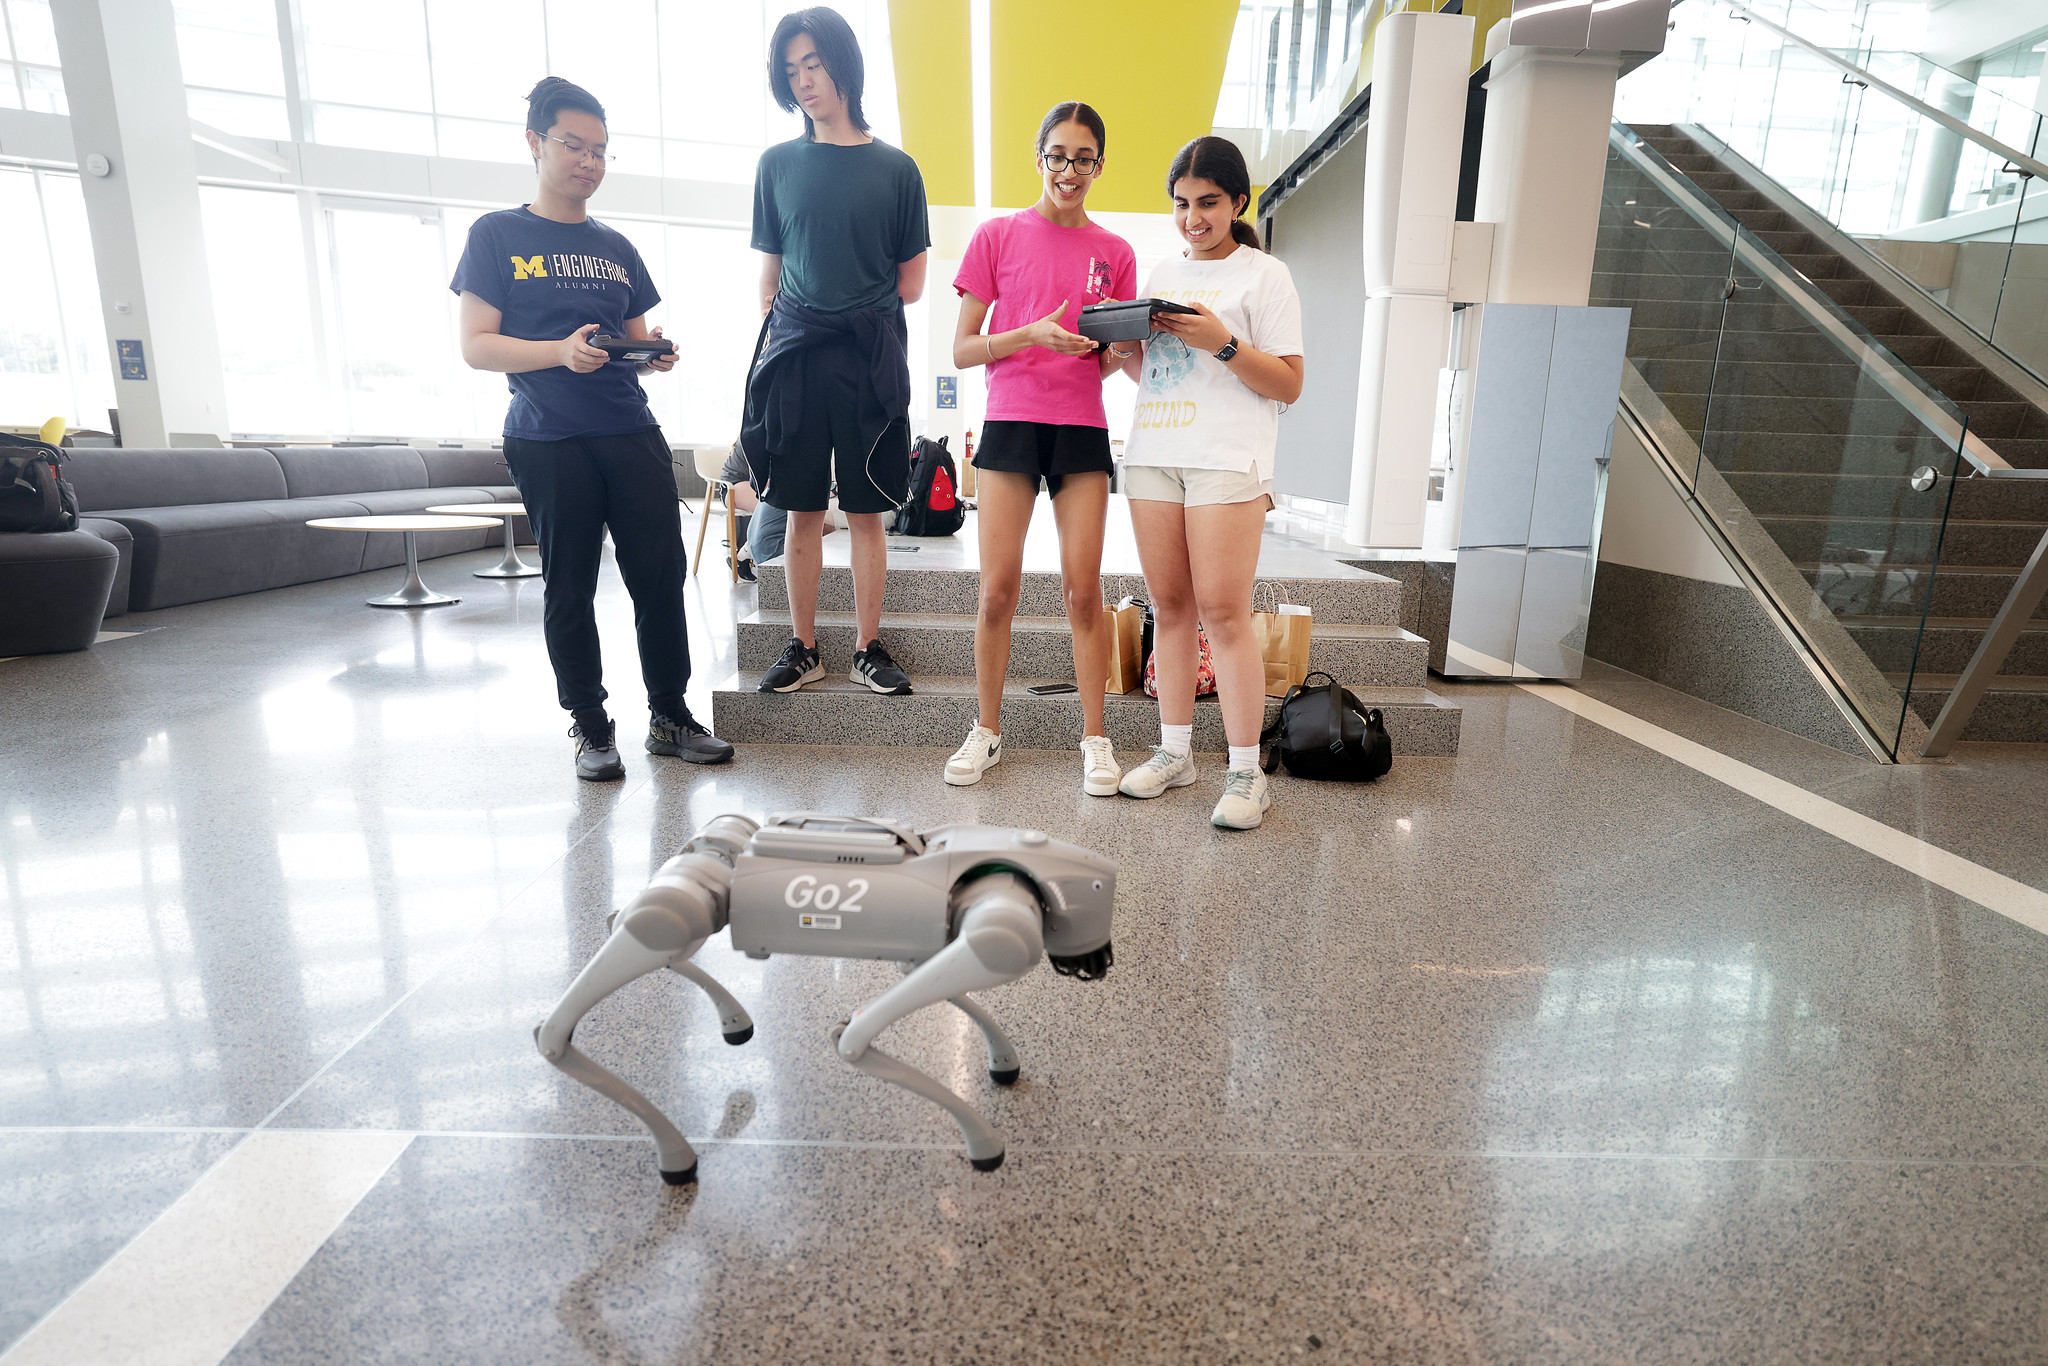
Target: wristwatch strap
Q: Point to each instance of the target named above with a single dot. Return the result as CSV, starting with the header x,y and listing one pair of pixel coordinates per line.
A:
x,y
1229,350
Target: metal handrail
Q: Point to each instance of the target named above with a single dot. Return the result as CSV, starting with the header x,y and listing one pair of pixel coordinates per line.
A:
x,y
1896,378
1947,120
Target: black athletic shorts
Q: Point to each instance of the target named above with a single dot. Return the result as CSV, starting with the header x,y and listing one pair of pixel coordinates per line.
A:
x,y
1044,450
826,449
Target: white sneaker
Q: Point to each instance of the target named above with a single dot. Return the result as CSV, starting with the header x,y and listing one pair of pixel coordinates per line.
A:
x,y
1163,770
982,751
1099,773
1245,800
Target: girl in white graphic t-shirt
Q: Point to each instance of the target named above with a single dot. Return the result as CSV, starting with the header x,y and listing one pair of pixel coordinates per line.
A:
x,y
1198,467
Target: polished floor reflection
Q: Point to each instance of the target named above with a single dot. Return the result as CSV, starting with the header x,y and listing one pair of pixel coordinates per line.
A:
x,y
1557,1051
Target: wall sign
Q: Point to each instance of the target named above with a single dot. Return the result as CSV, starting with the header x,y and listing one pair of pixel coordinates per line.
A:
x,y
132,366
949,391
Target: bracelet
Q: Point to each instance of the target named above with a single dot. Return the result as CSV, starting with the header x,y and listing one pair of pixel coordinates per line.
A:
x,y
1121,355
989,344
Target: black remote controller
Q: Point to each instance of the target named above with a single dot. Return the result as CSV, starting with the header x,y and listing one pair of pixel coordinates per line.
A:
x,y
638,352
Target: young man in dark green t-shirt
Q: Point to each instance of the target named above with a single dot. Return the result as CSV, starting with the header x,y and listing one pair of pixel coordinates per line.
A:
x,y
840,218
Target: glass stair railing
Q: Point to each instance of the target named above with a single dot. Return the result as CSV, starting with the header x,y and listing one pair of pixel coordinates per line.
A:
x,y
1941,178
1821,456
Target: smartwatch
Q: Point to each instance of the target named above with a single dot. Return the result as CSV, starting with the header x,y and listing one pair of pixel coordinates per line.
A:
x,y
1229,350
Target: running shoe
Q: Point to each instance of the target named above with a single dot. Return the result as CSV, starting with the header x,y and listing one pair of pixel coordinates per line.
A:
x,y
1163,770
1244,802
799,665
597,752
684,738
873,669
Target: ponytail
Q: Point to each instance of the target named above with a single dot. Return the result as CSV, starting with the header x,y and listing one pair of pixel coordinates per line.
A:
x,y
1218,161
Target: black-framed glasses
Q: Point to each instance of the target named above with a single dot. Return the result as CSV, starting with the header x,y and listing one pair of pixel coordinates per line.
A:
x,y
579,151
1085,165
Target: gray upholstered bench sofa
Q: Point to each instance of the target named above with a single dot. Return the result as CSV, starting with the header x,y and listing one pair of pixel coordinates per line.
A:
x,y
188,525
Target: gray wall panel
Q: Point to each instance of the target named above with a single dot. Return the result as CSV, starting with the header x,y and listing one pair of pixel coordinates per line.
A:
x,y
1318,232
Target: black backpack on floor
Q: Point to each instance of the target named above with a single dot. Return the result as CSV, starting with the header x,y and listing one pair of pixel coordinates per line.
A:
x,y
934,505
1323,732
34,495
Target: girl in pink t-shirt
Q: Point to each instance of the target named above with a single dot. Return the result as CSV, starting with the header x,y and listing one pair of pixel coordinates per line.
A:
x,y
1036,269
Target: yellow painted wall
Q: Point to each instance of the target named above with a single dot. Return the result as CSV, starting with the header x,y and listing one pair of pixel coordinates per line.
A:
x,y
1151,70
929,41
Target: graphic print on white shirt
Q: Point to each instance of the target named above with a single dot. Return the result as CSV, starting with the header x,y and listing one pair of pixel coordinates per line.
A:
x,y
1192,412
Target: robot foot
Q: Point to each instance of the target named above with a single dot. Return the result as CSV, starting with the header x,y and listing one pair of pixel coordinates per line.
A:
x,y
1007,1077
980,1164
688,1176
740,1036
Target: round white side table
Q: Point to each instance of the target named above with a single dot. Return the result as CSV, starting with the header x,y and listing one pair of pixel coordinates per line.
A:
x,y
511,567
415,593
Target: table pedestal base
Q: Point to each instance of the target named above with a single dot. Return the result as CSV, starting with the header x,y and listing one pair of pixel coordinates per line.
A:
x,y
511,567
415,593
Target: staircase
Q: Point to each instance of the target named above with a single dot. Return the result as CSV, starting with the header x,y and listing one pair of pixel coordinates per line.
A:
x,y
929,604
1815,451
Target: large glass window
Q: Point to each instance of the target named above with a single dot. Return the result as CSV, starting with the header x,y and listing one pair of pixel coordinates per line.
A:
x,y
256,258
234,73
53,352
395,323
38,84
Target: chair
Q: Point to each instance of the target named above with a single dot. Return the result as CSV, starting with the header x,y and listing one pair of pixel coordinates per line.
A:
x,y
711,468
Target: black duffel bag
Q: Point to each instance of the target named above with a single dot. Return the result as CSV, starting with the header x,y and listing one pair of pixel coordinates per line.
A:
x,y
34,495
1323,732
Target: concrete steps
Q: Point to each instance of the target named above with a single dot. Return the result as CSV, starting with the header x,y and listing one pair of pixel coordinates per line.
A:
x,y
929,609
939,714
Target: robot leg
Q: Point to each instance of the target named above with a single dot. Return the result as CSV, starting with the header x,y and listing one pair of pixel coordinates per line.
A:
x,y
1003,1063
1000,938
623,959
733,1020
669,920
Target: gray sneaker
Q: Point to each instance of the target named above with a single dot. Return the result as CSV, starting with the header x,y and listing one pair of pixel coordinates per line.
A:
x,y
683,737
1163,770
1244,801
597,753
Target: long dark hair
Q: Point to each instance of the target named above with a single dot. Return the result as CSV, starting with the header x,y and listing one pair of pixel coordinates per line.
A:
x,y
551,96
1073,111
1218,161
838,51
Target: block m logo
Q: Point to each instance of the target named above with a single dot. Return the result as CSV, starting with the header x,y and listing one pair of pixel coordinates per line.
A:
x,y
528,268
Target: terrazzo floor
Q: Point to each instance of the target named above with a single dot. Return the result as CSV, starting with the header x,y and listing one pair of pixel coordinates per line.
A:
x,y
1558,1051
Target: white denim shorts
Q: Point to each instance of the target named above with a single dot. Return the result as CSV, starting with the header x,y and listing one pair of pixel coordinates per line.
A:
x,y
1195,488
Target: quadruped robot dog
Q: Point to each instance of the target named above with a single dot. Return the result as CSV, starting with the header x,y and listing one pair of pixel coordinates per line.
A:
x,y
962,907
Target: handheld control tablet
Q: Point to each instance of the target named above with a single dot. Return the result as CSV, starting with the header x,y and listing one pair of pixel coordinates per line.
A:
x,y
1125,319
639,352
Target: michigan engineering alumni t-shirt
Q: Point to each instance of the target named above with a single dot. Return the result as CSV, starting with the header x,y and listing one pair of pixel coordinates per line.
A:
x,y
1192,413
1025,264
841,218
548,279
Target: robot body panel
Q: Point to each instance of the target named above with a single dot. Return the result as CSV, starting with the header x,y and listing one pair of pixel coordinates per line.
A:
x,y
861,910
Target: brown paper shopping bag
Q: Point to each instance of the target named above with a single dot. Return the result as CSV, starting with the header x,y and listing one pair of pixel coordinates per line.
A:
x,y
1126,625
1283,635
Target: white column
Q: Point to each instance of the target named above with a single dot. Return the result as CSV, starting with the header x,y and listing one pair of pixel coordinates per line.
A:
x,y
126,93
1413,139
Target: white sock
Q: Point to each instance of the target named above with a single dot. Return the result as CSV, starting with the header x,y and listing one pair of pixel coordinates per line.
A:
x,y
1177,740
1244,756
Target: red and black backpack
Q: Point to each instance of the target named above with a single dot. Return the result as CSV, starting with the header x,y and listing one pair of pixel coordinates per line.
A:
x,y
934,506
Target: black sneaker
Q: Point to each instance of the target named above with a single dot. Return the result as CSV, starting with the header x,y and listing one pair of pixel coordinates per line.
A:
x,y
744,567
872,668
799,665
682,737
597,753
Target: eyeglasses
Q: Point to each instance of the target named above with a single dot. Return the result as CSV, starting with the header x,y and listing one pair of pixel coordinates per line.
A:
x,y
579,151
1085,165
